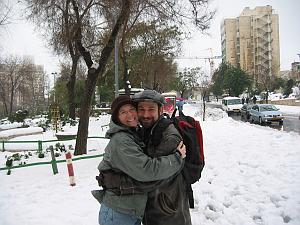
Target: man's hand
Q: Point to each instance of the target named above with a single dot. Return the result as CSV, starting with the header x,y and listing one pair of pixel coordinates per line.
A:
x,y
181,149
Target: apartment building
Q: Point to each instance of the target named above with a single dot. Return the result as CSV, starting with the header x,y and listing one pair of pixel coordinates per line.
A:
x,y
251,42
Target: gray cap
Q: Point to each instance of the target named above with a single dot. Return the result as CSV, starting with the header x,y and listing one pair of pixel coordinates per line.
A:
x,y
149,95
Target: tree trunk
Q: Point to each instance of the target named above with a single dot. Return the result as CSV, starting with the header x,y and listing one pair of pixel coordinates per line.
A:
x,y
85,109
93,74
71,87
11,101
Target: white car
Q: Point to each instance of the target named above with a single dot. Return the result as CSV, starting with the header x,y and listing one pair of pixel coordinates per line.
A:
x,y
232,104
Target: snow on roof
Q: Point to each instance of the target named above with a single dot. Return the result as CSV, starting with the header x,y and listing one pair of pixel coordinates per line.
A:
x,y
229,97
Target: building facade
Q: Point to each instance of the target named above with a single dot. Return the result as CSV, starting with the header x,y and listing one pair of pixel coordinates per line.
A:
x,y
295,71
251,42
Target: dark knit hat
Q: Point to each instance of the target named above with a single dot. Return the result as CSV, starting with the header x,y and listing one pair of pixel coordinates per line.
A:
x,y
117,104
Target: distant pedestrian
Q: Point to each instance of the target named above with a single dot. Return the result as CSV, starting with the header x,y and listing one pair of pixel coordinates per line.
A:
x,y
180,105
254,99
243,100
247,100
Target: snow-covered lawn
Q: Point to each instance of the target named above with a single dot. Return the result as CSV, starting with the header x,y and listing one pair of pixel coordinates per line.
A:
x,y
252,176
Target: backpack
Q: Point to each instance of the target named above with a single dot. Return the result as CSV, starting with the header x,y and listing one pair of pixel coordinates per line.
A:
x,y
191,133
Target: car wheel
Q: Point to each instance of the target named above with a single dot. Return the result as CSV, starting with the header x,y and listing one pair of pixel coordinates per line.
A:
x,y
247,117
251,119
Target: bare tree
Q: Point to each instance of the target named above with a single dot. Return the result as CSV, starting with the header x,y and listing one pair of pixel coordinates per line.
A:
x,y
58,18
11,77
5,13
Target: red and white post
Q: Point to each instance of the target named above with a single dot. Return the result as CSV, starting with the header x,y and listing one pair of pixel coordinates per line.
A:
x,y
70,168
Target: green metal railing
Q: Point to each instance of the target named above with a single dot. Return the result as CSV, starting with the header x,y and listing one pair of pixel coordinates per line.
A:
x,y
53,162
40,142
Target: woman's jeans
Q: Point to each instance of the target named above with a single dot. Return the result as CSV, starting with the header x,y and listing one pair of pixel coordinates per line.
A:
x,y
108,216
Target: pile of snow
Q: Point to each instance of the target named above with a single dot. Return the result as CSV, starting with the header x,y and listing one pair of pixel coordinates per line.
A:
x,y
9,125
35,122
251,176
210,113
7,134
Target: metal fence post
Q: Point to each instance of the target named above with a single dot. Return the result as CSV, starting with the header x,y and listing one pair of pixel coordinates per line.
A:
x,y
3,149
53,161
40,146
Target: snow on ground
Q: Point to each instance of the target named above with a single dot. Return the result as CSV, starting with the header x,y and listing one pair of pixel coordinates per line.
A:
x,y
9,125
251,176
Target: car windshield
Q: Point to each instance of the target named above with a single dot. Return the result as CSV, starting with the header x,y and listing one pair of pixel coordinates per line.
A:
x,y
234,101
268,108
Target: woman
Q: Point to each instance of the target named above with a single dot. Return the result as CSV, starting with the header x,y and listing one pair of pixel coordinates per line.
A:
x,y
124,153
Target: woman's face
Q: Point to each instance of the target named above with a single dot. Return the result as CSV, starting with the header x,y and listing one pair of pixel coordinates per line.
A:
x,y
128,115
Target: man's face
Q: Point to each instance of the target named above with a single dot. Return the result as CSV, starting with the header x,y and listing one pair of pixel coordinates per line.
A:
x,y
148,113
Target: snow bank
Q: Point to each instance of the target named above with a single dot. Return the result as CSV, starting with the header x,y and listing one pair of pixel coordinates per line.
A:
x,y
7,134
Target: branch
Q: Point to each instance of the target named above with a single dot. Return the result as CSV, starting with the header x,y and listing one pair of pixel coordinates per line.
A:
x,y
78,38
123,16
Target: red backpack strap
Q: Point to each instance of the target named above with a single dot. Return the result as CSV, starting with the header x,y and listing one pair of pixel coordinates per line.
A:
x,y
200,138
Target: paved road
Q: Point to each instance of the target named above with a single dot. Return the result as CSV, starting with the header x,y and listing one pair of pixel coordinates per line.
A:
x,y
290,123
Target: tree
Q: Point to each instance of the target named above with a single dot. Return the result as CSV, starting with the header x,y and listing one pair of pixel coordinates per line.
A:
x,y
6,11
234,81
288,87
57,22
11,77
218,80
151,54
186,80
92,12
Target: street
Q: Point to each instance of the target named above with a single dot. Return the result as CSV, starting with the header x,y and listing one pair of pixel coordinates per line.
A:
x,y
290,123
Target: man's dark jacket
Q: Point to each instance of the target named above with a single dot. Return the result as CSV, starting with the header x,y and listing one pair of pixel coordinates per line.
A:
x,y
168,204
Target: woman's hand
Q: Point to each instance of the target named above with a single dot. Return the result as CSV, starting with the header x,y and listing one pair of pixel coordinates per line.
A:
x,y
181,149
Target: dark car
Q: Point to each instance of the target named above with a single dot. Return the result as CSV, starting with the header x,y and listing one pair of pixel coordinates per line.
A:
x,y
245,111
265,113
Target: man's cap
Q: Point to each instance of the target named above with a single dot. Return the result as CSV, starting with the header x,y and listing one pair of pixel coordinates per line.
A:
x,y
150,96
117,104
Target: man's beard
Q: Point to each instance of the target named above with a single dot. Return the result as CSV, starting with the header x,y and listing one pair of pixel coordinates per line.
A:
x,y
147,123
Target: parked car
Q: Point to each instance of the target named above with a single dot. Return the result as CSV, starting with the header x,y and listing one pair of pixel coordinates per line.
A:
x,y
265,113
232,104
245,111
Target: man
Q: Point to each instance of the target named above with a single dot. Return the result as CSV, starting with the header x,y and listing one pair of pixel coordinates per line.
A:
x,y
168,204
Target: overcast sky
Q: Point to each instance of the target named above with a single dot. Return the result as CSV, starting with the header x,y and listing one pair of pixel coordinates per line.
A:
x,y
21,38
